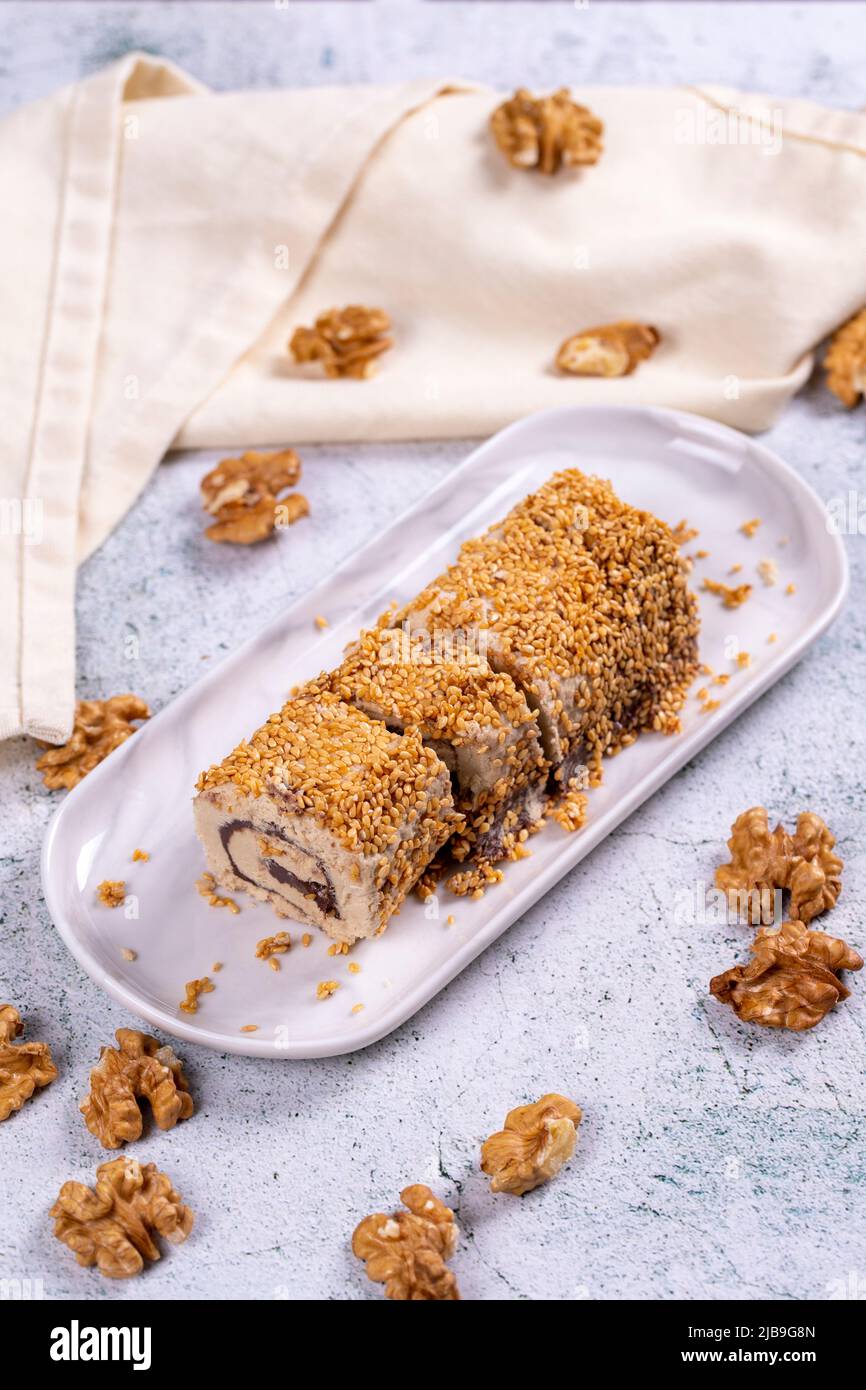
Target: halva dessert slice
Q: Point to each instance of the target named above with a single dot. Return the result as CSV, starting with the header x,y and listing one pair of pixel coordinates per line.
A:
x,y
326,814
475,719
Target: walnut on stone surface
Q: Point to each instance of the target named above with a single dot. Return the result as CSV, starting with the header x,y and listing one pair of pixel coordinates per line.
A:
x,y
100,726
24,1067
345,341
816,882
763,860
613,349
407,1250
242,494
139,1067
845,361
534,1144
546,133
113,1224
791,980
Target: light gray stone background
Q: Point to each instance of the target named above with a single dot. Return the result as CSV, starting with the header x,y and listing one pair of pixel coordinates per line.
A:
x,y
714,1161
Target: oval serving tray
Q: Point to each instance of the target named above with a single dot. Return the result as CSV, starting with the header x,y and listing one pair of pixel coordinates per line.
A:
x,y
673,464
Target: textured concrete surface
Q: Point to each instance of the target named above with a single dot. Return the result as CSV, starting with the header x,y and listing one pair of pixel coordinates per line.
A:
x,y
714,1161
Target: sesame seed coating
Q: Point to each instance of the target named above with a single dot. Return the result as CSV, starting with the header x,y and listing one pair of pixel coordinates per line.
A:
x,y
322,757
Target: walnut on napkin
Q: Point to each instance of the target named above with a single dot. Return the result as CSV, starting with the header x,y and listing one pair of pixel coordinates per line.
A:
x,y
545,133
613,349
100,727
345,341
791,982
845,362
243,495
23,1066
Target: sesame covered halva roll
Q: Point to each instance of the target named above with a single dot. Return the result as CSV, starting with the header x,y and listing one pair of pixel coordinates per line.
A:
x,y
326,814
583,601
475,719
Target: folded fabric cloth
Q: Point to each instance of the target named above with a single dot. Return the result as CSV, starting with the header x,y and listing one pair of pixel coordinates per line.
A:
x,y
160,243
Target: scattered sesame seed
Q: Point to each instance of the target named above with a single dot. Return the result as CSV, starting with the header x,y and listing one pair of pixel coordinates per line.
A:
x,y
320,621
356,1008
140,856
250,1028
772,637
744,660
354,968
306,939
790,589
749,528
194,988
325,988
449,920
731,598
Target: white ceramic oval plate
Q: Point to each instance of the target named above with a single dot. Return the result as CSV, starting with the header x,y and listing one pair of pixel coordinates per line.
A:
x,y
673,464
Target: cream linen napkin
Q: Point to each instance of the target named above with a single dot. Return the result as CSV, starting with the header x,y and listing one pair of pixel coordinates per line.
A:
x,y
162,242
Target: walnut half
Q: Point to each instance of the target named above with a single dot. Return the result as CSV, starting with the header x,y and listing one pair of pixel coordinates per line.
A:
x,y
845,362
241,494
24,1067
113,1224
545,133
792,981
614,349
536,1141
407,1250
138,1067
345,341
763,860
100,726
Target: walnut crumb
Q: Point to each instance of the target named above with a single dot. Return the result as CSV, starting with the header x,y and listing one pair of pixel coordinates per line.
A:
x,y
338,948
769,572
140,856
111,892
792,980
113,1224
735,569
194,988
325,988
546,133
407,1250
749,528
139,1067
216,967
99,727
533,1145
128,954
24,1067
347,341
